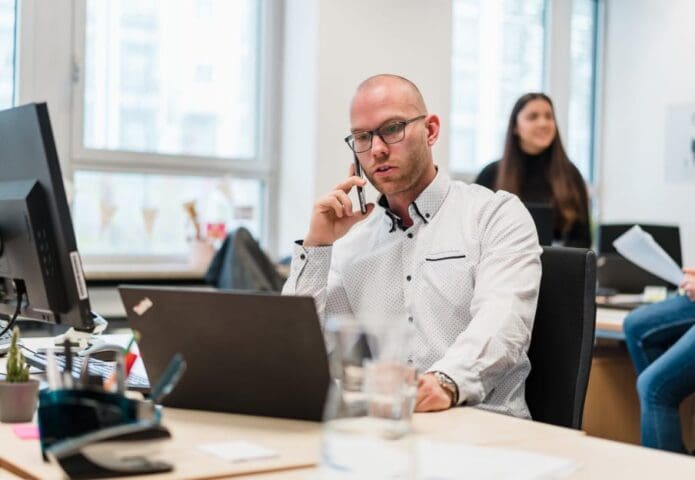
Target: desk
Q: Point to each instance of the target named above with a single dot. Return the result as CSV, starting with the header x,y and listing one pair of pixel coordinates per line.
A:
x,y
612,409
298,444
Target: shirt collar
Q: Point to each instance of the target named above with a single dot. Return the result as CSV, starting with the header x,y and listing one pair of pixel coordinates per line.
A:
x,y
425,206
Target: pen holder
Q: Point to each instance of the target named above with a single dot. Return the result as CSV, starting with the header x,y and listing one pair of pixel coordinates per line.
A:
x,y
65,414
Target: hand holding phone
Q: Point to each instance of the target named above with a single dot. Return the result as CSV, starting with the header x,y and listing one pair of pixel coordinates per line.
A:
x,y
360,190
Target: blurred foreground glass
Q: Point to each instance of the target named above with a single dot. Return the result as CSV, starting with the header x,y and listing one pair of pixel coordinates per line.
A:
x,y
368,410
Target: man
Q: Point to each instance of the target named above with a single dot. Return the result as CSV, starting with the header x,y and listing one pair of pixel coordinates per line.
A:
x,y
661,341
456,265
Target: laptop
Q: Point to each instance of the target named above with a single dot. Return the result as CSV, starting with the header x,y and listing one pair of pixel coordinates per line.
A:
x,y
616,274
248,353
542,215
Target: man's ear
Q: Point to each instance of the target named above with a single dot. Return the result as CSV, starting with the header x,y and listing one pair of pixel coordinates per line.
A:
x,y
433,126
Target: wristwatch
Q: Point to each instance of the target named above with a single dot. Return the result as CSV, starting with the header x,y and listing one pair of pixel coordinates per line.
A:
x,y
449,385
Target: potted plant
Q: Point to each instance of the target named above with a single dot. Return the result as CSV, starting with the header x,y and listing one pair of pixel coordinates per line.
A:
x,y
18,394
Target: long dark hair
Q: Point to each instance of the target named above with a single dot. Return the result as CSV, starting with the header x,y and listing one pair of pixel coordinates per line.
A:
x,y
570,198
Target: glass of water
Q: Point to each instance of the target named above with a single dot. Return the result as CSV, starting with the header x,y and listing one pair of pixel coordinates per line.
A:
x,y
368,411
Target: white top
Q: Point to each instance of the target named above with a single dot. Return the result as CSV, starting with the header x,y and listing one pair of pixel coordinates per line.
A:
x,y
462,282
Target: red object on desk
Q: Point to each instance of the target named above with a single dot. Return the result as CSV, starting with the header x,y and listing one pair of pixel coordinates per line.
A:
x,y
130,358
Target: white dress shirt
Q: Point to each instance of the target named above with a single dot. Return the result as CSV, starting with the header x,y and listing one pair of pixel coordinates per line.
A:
x,y
462,281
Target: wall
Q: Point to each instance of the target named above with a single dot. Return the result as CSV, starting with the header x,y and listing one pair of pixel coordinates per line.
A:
x,y
649,65
352,41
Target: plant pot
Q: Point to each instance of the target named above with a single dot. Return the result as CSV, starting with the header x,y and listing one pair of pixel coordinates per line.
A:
x,y
18,401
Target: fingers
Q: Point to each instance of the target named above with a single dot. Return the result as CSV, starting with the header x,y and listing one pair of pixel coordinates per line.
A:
x,y
430,395
352,181
338,202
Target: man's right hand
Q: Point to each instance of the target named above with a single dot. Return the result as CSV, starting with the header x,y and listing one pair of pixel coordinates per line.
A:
x,y
333,216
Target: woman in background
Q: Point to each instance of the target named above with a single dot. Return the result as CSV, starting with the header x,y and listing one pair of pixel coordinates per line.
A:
x,y
536,168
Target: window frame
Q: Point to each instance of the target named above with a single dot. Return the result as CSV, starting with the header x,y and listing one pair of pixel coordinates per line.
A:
x,y
263,167
15,69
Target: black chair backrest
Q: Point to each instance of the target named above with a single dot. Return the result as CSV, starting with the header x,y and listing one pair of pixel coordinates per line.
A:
x,y
563,337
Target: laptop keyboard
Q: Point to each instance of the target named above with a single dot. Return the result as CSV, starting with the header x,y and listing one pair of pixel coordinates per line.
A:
x,y
5,341
96,367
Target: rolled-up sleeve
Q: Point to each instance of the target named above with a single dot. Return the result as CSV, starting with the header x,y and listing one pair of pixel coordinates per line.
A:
x,y
504,302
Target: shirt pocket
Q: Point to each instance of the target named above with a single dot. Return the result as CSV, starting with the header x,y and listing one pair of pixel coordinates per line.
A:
x,y
445,255
450,274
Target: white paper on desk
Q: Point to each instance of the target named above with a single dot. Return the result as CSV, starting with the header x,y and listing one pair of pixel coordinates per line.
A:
x,y
237,451
640,248
444,461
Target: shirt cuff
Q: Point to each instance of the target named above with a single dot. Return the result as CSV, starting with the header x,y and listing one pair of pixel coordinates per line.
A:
x,y
470,388
309,269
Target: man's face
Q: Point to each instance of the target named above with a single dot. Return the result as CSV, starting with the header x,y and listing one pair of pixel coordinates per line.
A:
x,y
396,167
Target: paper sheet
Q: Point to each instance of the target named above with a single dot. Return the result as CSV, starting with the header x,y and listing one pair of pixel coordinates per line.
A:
x,y
237,451
444,461
640,248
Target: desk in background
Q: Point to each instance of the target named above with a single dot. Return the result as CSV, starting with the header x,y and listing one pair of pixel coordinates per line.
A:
x,y
612,409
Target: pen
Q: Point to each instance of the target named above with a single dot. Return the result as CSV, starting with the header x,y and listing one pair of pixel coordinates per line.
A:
x,y
120,373
67,371
52,373
84,373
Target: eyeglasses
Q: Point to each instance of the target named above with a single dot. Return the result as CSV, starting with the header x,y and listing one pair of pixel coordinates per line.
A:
x,y
390,133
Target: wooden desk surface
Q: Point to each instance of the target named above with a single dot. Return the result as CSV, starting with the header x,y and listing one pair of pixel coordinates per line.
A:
x,y
298,445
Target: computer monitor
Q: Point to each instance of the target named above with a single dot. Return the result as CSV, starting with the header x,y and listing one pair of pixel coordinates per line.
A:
x,y
617,274
542,214
39,261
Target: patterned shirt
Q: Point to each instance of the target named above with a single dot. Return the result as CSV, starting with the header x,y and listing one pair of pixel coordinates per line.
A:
x,y
456,291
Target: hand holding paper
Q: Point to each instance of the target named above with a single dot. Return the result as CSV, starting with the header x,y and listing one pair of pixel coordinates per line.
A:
x,y
640,248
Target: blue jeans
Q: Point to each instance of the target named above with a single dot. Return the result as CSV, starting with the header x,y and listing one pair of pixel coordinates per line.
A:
x,y
661,342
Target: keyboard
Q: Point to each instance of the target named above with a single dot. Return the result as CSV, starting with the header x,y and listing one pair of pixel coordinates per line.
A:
x,y
96,367
5,341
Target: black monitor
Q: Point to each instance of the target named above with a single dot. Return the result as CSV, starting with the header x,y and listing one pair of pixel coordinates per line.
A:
x,y
617,274
39,261
542,214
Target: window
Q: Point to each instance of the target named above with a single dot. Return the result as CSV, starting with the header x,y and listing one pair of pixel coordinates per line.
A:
x,y
7,52
498,54
158,110
580,135
140,215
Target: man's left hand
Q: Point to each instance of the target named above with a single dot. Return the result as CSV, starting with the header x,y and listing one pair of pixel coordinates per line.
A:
x,y
431,396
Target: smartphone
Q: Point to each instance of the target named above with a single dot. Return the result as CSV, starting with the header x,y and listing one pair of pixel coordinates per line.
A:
x,y
360,190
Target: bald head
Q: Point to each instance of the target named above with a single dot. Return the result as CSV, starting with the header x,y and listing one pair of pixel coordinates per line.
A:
x,y
396,86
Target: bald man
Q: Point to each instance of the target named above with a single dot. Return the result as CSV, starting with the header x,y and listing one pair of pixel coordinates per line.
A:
x,y
455,265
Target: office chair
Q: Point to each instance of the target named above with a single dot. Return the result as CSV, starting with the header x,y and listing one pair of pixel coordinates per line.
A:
x,y
563,337
241,264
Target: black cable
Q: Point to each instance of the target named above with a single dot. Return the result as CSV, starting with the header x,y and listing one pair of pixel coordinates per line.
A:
x,y
13,320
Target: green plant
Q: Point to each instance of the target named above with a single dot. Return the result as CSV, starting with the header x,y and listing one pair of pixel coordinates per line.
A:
x,y
17,369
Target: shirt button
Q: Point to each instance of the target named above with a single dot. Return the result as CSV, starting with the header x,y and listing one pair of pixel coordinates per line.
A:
x,y
410,235
410,361
410,319
302,256
408,278
427,215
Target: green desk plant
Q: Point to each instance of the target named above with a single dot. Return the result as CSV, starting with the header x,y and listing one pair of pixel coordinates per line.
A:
x,y
18,394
